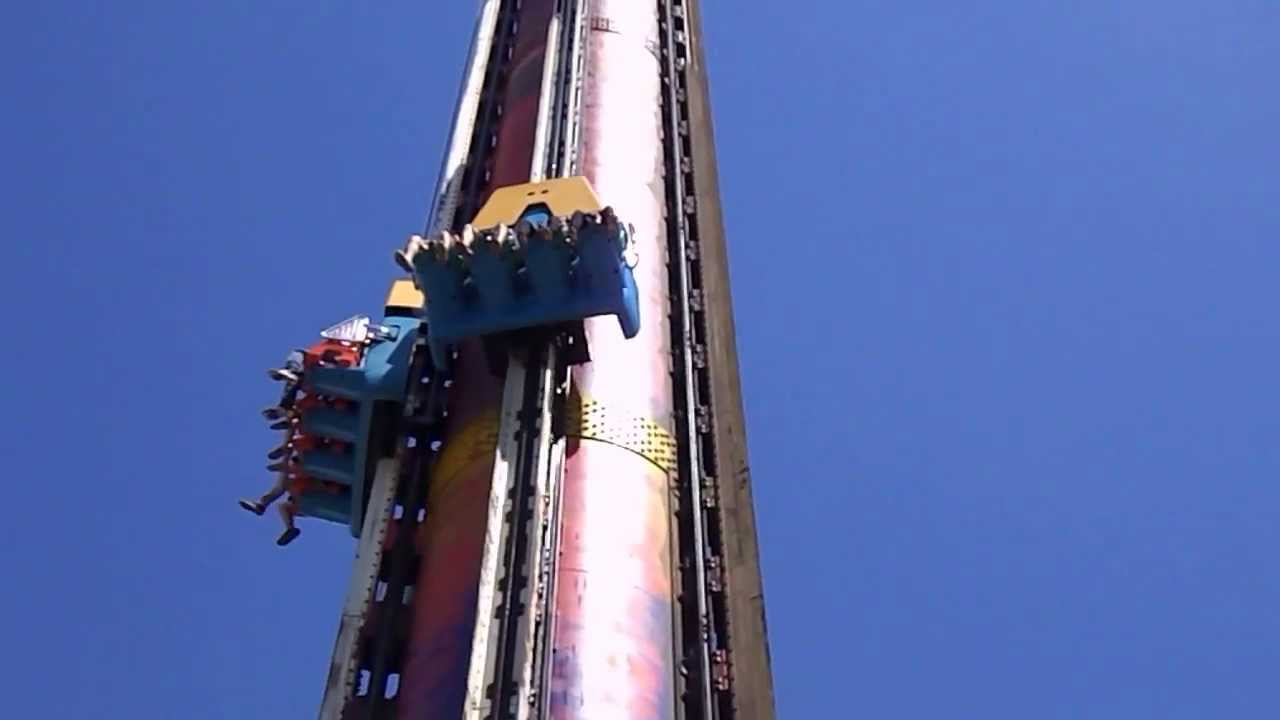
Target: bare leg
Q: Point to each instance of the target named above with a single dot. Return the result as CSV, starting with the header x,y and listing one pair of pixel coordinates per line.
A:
x,y
259,506
274,494
288,511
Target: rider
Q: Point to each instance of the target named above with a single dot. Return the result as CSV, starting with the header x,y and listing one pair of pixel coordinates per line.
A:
x,y
289,477
288,481
286,458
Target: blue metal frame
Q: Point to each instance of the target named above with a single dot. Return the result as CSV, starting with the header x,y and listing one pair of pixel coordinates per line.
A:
x,y
546,280
382,376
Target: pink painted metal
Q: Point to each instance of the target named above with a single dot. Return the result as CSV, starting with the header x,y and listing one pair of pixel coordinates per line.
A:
x,y
614,624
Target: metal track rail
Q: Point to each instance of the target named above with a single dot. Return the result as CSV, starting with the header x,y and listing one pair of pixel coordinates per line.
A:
x,y
388,625
505,641
371,662
706,692
534,639
454,164
563,152
477,173
369,652
509,670
361,589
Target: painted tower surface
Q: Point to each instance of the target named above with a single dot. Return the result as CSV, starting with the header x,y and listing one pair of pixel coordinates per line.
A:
x,y
653,595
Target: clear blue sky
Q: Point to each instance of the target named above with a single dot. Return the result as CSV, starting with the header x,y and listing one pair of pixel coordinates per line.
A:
x,y
1006,282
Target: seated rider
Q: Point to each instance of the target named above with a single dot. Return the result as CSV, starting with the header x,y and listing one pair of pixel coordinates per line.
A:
x,y
290,479
287,457
294,483
291,375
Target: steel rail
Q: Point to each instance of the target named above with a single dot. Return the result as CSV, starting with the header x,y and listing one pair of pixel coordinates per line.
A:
x,y
524,490
541,164
453,164
697,457
388,638
506,539
375,654
475,176
379,636
361,589
419,445
561,161
540,556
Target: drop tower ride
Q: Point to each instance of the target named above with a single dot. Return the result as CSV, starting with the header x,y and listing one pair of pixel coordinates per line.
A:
x,y
548,477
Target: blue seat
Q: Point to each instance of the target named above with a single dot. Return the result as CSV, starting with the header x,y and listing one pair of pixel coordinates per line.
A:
x,y
339,467
552,256
330,506
381,377
330,423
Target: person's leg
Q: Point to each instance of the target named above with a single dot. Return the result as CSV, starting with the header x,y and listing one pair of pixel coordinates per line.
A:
x,y
288,511
274,493
279,412
281,450
289,397
259,506
283,375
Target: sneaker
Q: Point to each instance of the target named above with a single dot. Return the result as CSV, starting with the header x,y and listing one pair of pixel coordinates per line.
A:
x,y
288,536
282,425
254,507
278,453
282,375
277,466
275,412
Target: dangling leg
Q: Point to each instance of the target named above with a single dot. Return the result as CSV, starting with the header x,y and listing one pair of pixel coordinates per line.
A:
x,y
288,512
283,375
259,506
280,451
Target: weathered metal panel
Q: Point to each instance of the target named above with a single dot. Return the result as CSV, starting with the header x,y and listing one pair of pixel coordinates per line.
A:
x,y
614,627
613,599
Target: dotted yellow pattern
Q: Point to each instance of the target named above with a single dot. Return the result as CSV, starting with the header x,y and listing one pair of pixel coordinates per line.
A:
x,y
590,419
585,418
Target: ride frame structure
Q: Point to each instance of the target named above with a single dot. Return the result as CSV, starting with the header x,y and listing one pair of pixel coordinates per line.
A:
x,y
555,519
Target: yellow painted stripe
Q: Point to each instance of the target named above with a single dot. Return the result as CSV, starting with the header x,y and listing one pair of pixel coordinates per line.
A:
x,y
475,441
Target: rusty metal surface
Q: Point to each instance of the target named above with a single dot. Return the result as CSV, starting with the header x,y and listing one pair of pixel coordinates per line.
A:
x,y
614,627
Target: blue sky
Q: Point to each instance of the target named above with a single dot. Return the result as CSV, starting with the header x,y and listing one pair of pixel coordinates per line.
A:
x,y
1006,286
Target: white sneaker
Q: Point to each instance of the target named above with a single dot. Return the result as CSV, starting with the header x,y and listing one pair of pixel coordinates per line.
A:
x,y
282,375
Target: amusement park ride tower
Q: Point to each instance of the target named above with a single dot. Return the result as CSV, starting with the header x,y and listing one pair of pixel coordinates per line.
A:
x,y
540,446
